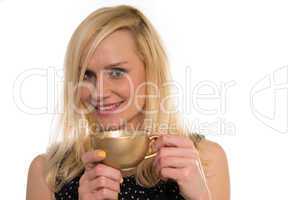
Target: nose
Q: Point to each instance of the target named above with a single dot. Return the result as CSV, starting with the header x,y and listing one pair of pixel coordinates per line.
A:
x,y
103,89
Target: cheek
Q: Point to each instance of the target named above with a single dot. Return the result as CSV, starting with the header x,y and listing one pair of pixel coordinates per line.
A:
x,y
134,92
140,95
130,86
84,93
140,89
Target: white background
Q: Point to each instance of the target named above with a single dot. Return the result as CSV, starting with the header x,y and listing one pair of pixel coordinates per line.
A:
x,y
251,44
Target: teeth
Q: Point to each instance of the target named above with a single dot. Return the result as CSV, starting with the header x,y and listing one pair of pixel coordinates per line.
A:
x,y
103,108
107,107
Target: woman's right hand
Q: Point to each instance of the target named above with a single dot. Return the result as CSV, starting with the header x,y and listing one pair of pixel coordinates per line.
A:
x,y
99,181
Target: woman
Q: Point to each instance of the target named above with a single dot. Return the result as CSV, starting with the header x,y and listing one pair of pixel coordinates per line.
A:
x,y
115,70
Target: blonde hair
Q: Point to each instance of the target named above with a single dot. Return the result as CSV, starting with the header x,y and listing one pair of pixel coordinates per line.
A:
x,y
64,154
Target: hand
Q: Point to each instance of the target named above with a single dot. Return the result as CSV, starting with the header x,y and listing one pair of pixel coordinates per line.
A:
x,y
178,159
98,181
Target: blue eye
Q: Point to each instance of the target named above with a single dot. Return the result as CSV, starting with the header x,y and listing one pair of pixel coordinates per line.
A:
x,y
117,72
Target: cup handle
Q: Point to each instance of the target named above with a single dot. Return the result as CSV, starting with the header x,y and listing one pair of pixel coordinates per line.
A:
x,y
151,137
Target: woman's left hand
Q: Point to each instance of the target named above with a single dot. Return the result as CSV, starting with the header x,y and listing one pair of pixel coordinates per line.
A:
x,y
178,159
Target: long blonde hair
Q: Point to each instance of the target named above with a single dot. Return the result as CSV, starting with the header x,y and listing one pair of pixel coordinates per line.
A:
x,y
64,153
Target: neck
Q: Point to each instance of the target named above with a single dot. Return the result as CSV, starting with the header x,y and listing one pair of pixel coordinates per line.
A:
x,y
135,123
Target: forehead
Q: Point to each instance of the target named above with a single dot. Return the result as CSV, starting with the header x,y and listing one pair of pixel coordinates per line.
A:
x,y
118,46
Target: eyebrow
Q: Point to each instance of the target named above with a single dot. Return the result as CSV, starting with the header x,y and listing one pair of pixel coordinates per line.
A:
x,y
115,64
112,65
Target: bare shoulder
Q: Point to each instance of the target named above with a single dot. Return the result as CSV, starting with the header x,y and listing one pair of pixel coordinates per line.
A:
x,y
37,187
211,150
38,162
215,166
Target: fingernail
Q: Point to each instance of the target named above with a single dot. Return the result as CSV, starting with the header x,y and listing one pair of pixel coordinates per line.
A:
x,y
121,180
101,153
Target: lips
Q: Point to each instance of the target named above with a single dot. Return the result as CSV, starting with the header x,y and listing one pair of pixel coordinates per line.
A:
x,y
108,108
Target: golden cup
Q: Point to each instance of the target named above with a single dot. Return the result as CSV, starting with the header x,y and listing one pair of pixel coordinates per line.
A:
x,y
124,149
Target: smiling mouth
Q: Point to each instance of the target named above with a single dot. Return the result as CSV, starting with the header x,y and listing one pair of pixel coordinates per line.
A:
x,y
108,108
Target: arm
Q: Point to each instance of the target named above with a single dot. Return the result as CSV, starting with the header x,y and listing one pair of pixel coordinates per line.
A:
x,y
216,170
37,187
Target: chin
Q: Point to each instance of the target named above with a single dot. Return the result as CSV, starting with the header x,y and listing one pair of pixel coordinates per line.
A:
x,y
111,125
111,128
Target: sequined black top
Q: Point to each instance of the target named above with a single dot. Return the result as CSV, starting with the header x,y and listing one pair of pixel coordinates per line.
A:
x,y
129,190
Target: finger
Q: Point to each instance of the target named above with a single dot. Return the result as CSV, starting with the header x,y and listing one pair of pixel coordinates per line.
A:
x,y
90,158
83,179
104,182
169,140
83,187
177,152
103,170
105,194
174,162
171,173
166,152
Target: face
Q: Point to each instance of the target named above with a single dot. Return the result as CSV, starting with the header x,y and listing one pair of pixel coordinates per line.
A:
x,y
115,77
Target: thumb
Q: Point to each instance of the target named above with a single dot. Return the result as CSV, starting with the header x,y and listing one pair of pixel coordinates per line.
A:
x,y
91,158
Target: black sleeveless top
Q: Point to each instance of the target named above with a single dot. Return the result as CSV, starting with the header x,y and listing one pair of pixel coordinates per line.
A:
x,y
129,189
